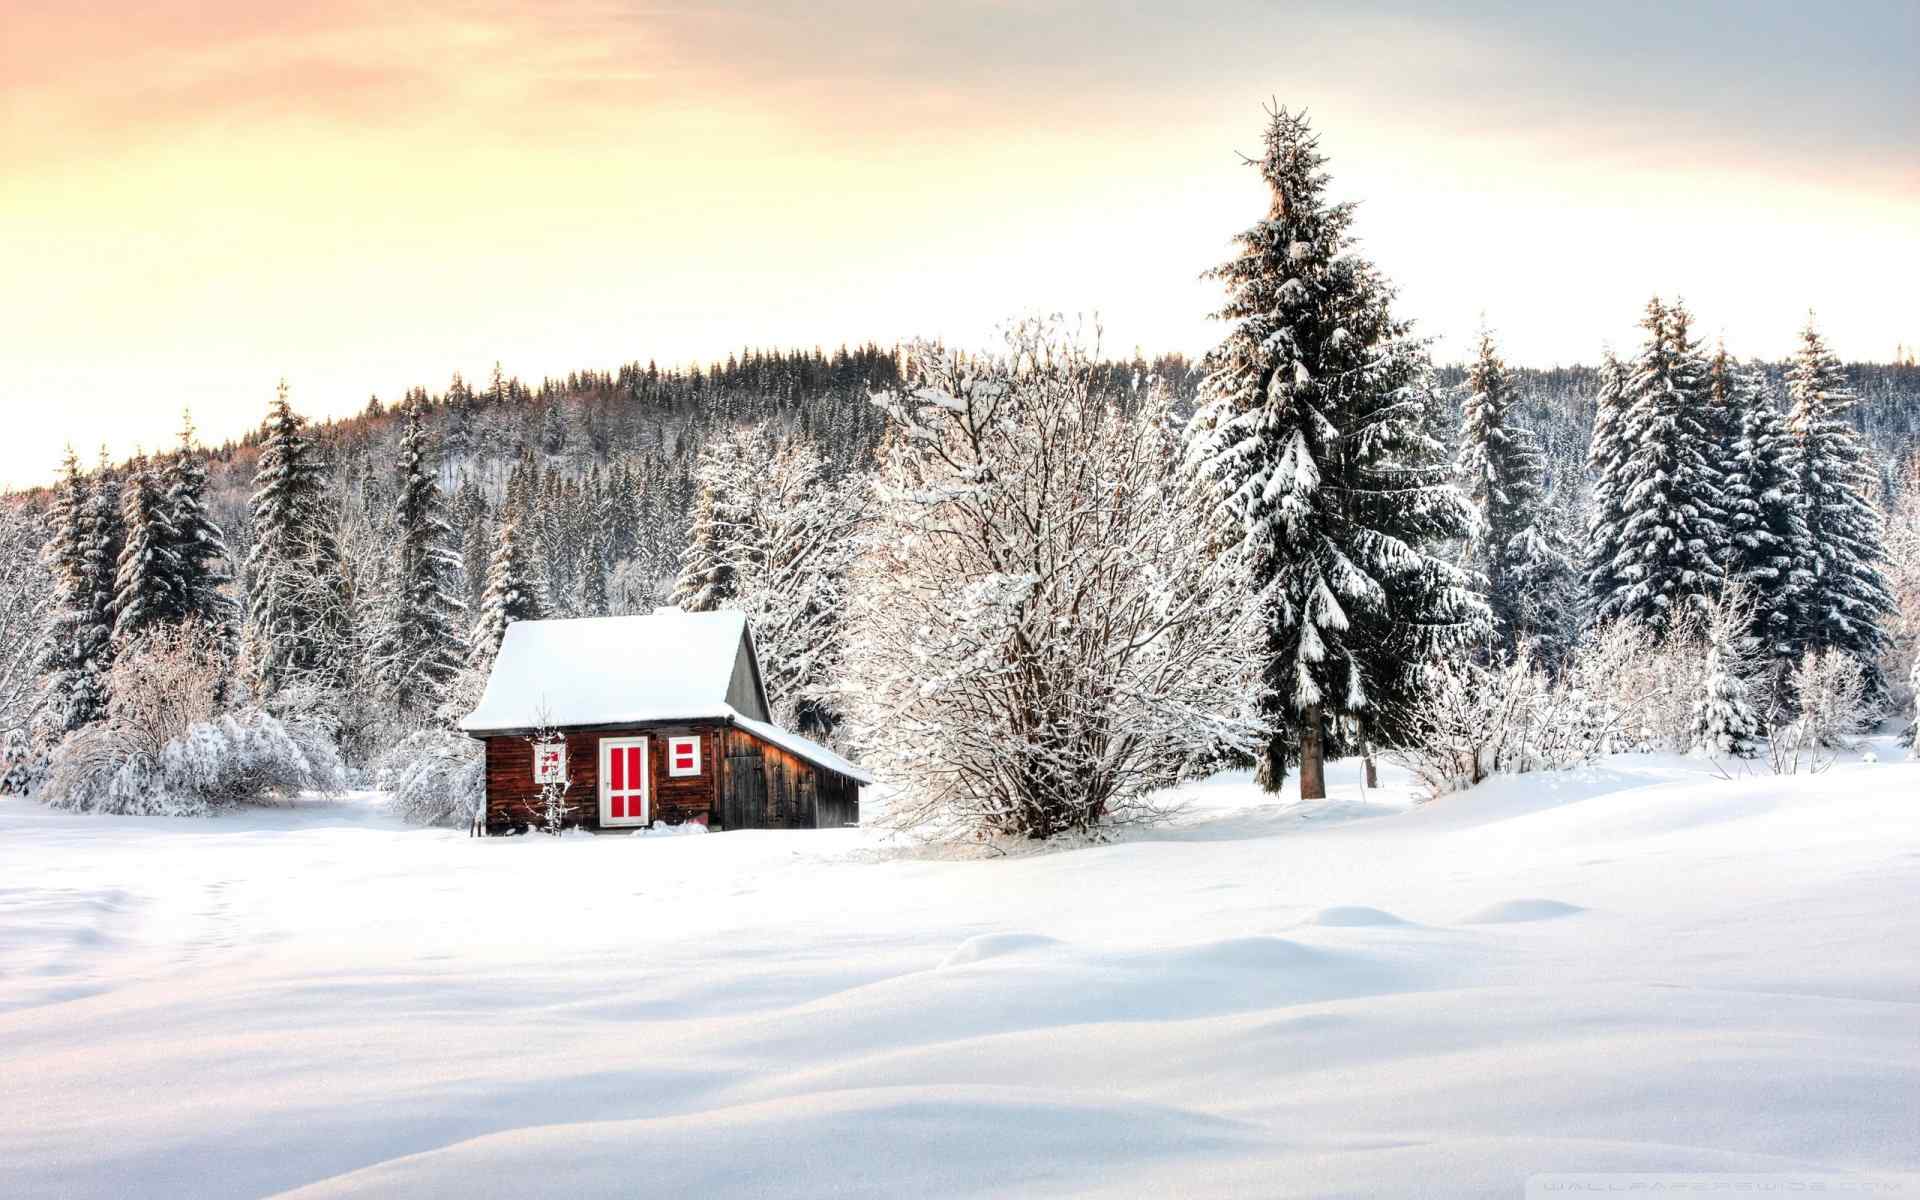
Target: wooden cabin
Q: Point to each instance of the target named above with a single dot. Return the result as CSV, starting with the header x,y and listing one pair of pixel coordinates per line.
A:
x,y
659,717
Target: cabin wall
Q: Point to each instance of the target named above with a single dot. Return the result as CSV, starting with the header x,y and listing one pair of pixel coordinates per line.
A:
x,y
765,787
513,798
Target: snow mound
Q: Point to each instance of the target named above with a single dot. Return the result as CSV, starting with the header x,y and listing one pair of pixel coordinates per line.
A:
x,y
870,1142
1249,954
1346,916
995,945
1510,911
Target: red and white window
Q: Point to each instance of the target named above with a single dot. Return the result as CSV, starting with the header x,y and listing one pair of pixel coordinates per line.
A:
x,y
624,798
683,756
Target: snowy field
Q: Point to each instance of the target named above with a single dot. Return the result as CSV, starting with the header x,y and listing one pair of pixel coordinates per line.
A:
x,y
1635,967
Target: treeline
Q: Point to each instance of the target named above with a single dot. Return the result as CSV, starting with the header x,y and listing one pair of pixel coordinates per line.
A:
x,y
1311,543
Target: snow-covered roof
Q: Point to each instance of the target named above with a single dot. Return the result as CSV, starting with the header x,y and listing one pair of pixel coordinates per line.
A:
x,y
805,748
665,666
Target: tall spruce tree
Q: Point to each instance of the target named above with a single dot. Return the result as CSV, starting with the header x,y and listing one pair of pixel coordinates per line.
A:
x,y
299,614
1767,548
147,579
198,546
1606,465
73,665
1847,596
512,594
1513,547
418,651
1672,525
707,578
1314,434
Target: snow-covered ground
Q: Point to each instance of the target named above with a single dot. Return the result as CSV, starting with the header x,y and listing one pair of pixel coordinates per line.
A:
x,y
1635,967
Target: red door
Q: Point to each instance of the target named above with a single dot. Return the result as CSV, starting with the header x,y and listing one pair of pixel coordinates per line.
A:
x,y
623,781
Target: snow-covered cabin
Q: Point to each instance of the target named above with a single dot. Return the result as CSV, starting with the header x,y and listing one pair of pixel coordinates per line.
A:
x,y
660,717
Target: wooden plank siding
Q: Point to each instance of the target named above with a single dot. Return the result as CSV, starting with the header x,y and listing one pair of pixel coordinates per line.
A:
x,y
763,786
744,782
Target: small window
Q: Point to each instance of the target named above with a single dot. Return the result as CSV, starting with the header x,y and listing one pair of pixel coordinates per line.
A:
x,y
683,756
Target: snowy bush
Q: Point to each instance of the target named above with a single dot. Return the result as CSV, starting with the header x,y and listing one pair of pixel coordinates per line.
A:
x,y
1514,717
235,758
1042,634
1619,691
436,778
1833,700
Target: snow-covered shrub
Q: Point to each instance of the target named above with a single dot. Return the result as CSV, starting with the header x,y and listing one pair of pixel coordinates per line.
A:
x,y
1833,701
1041,634
236,758
436,778
164,684
1512,717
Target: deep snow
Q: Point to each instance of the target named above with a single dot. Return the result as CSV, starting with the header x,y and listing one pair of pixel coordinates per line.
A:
x,y
1633,967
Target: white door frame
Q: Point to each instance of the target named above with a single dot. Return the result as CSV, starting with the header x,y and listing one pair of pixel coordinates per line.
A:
x,y
645,790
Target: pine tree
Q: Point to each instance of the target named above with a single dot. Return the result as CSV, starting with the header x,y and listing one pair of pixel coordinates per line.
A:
x,y
147,579
1847,595
1606,464
198,546
418,651
105,534
1767,549
1724,719
73,693
1513,547
707,574
1673,525
299,618
512,595
593,577
1314,434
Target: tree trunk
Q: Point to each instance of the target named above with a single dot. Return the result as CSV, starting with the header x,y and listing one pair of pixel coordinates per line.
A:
x,y
1313,757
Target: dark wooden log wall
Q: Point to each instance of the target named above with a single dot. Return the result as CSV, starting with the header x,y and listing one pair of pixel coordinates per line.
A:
x,y
744,783
765,787
513,798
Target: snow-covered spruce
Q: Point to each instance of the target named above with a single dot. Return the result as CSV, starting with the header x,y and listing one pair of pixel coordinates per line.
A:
x,y
78,653
1665,492
26,599
511,595
147,579
1314,437
1847,597
1725,720
416,651
1606,499
198,546
1514,546
1042,633
1767,551
299,616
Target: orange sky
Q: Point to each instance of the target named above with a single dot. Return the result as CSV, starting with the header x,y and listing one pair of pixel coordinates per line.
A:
x,y
196,199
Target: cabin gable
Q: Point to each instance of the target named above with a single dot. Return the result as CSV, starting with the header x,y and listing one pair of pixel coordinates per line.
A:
x,y
746,693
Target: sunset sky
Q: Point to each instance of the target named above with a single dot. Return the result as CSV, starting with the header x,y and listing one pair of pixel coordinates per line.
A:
x,y
198,199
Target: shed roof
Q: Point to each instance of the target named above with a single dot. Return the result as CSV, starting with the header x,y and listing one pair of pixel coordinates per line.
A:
x,y
668,665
